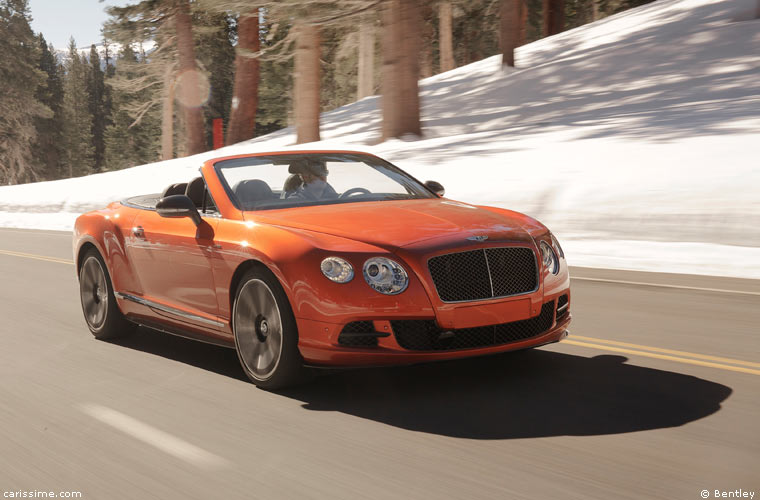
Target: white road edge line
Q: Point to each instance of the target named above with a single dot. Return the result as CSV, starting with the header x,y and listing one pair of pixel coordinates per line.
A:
x,y
662,285
164,441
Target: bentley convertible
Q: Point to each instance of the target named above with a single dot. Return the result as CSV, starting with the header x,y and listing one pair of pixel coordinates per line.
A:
x,y
316,259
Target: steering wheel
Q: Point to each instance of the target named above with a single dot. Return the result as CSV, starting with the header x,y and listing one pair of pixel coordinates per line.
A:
x,y
353,191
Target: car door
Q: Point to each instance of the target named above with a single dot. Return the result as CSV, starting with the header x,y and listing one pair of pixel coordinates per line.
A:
x,y
172,258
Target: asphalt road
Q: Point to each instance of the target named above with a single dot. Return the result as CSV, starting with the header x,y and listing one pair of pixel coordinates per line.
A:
x,y
654,395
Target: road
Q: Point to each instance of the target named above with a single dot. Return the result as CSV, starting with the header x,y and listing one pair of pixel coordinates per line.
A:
x,y
653,395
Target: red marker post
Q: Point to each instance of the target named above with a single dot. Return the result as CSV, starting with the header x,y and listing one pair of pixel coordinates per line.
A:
x,y
218,133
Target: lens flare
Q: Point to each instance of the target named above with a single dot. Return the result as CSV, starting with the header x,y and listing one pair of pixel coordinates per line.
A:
x,y
192,88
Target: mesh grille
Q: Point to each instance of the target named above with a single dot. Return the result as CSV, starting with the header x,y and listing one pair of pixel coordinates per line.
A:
x,y
345,337
513,270
561,302
461,276
484,274
426,335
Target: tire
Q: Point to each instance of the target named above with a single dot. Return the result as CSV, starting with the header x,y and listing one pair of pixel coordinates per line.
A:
x,y
101,313
266,335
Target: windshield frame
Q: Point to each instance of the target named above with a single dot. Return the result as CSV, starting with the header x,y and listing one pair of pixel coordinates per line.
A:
x,y
219,165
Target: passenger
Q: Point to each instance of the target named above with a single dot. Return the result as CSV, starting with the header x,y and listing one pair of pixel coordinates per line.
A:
x,y
315,186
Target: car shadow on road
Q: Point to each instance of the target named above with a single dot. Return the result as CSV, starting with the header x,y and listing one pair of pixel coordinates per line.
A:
x,y
533,393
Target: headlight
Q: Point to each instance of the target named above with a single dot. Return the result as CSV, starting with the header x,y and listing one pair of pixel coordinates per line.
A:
x,y
549,258
385,275
337,269
558,248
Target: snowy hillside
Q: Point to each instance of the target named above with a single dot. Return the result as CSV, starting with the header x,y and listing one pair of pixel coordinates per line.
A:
x,y
635,139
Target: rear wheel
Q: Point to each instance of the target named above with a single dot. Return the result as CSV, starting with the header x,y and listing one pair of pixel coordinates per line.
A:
x,y
102,314
266,336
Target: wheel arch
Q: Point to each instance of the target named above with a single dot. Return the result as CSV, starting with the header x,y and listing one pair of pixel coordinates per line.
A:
x,y
85,247
243,268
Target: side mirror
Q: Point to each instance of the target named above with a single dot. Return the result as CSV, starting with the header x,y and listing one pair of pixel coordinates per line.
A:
x,y
178,205
435,187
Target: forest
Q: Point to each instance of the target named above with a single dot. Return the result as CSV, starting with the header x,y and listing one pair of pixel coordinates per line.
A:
x,y
166,72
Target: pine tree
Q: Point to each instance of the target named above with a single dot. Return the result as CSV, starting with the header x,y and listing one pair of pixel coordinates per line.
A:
x,y
131,142
446,47
306,83
169,25
79,152
244,103
366,70
554,16
401,45
48,147
96,100
20,79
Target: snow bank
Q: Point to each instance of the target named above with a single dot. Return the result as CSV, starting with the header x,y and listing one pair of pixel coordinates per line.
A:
x,y
635,139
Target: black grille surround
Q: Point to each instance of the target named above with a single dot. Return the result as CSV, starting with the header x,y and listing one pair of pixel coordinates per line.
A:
x,y
358,327
426,335
485,273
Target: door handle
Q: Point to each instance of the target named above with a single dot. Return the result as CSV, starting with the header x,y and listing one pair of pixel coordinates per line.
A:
x,y
139,232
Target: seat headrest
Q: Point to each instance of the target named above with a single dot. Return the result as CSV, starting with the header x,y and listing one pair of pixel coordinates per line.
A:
x,y
178,188
195,189
251,191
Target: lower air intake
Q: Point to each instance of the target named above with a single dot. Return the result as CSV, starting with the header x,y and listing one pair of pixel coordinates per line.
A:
x,y
358,334
426,335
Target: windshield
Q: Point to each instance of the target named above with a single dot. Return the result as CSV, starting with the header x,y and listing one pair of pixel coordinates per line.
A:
x,y
290,180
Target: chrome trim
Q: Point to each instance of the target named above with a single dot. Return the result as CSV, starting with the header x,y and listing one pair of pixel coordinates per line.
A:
x,y
167,309
562,308
535,260
125,202
488,268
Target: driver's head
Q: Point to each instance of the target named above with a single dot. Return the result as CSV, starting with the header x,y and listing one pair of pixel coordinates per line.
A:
x,y
313,173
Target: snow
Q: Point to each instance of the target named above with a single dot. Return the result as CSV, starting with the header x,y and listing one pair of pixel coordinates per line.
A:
x,y
635,139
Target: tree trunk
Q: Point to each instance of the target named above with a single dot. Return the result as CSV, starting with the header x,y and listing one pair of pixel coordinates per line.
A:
x,y
553,16
523,37
446,46
245,93
509,34
595,9
426,40
306,83
191,88
366,59
167,116
401,46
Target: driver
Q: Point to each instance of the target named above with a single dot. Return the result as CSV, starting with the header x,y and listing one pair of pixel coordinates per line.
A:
x,y
315,187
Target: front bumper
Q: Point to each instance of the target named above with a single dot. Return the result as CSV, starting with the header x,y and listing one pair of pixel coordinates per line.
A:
x,y
319,346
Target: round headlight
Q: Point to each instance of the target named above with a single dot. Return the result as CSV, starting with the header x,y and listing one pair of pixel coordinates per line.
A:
x,y
385,275
555,242
337,269
549,258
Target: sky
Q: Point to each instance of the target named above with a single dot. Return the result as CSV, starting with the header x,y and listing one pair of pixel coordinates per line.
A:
x,y
58,20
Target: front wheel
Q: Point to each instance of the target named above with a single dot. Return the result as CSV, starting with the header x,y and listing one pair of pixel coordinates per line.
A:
x,y
102,314
266,335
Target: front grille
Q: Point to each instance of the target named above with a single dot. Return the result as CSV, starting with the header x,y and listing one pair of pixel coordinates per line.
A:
x,y
562,308
345,338
426,335
484,274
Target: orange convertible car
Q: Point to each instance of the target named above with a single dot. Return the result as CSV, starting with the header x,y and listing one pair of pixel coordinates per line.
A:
x,y
332,258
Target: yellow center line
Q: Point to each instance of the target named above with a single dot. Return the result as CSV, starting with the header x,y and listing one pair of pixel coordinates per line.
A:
x,y
663,285
663,356
37,257
670,351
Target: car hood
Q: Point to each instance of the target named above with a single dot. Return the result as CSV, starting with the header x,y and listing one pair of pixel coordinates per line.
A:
x,y
389,224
